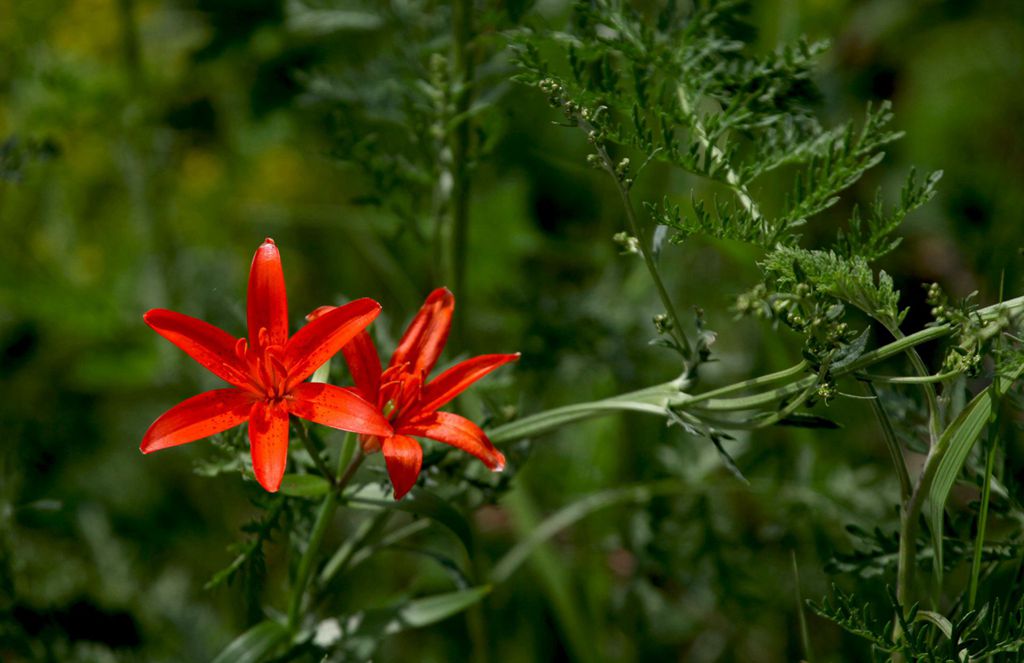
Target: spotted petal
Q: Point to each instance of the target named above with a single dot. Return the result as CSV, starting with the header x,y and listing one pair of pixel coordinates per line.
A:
x,y
321,339
268,442
458,432
364,364
458,378
404,458
426,335
212,347
198,417
340,408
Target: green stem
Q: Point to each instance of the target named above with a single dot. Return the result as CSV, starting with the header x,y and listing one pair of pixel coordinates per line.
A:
x,y
323,520
934,413
639,232
979,542
313,452
348,548
654,400
762,381
462,33
891,379
909,515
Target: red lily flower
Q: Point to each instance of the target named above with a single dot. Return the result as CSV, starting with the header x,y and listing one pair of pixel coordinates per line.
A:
x,y
267,373
409,401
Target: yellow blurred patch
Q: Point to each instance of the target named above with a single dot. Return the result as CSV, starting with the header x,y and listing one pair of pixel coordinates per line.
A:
x,y
280,174
88,27
201,171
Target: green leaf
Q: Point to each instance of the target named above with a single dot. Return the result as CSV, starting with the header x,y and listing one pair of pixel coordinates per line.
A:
x,y
574,512
955,444
423,612
254,644
304,485
938,620
957,440
420,502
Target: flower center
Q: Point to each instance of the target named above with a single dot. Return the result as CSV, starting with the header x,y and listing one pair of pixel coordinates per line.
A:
x,y
267,371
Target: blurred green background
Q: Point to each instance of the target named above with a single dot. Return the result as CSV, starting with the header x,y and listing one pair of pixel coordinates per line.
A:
x,y
148,146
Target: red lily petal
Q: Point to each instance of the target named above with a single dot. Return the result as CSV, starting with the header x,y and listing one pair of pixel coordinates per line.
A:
x,y
321,339
426,335
318,311
268,442
198,417
404,458
458,432
338,408
458,378
268,302
212,347
364,364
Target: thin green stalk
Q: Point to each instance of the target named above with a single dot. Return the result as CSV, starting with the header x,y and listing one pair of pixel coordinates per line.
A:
x,y
892,444
934,413
892,379
762,381
639,232
762,421
979,542
651,400
343,555
805,636
323,520
313,452
909,515
462,34
349,446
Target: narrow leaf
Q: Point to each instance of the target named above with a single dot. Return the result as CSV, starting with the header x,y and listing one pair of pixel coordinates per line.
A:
x,y
423,612
574,512
254,644
956,443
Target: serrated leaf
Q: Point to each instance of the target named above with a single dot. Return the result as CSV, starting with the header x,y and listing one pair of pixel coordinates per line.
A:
x,y
254,644
304,485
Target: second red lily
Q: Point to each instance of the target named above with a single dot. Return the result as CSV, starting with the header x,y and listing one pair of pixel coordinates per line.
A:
x,y
410,402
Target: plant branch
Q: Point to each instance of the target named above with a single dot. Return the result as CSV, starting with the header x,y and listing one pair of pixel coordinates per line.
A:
x,y
932,399
323,520
654,400
638,231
